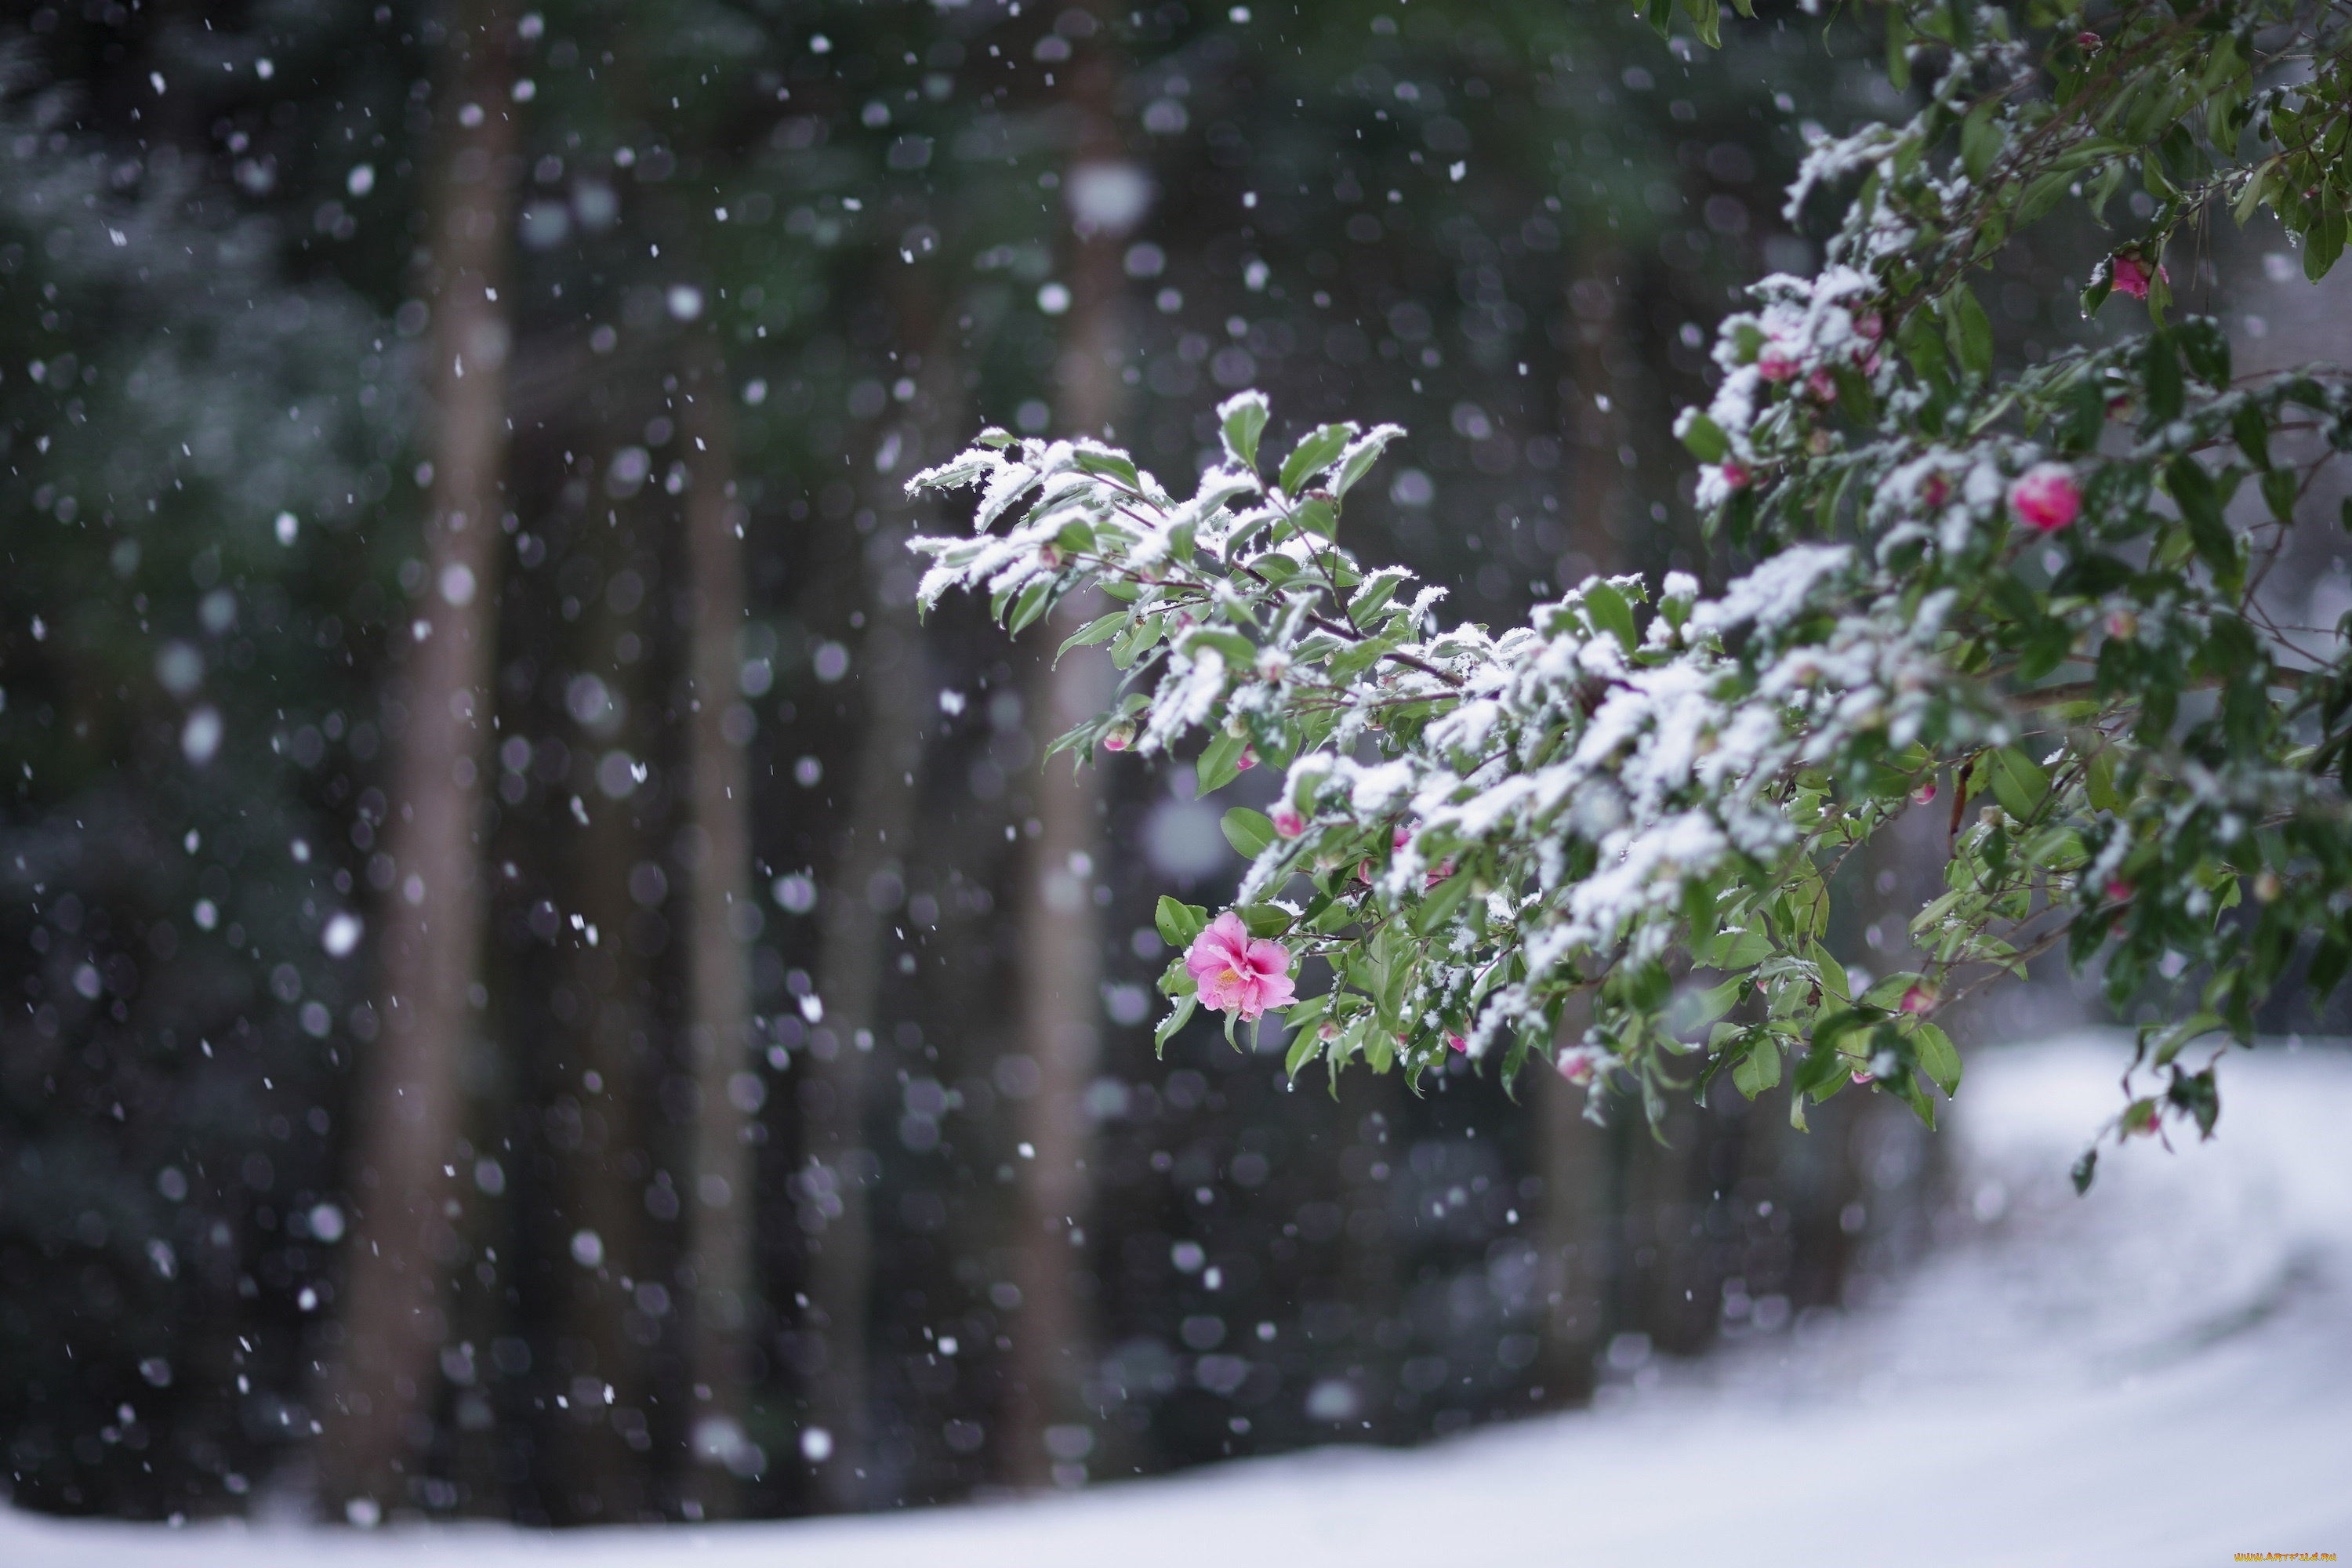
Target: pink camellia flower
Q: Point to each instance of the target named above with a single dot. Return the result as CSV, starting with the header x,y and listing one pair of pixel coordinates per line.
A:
x,y
1774,366
1237,972
1288,821
2132,276
2047,497
1578,1064
1737,475
1921,999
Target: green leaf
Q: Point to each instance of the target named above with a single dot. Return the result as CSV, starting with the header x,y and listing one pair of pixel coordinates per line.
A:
x,y
2324,243
1980,139
2161,379
1265,920
2200,508
1101,629
1173,1022
2085,1169
1242,420
1441,903
1970,333
1759,1069
2017,783
1220,764
1111,465
1610,612
2205,348
1360,456
1302,1050
1249,832
1179,922
1238,651
1319,517
1938,1057
1705,439
1317,452
1030,605
1820,1070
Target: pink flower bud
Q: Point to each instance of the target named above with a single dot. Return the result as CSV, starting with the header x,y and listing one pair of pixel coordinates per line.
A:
x,y
1457,1042
1864,1078
1397,839
1288,822
2132,276
1578,1064
2046,496
1924,794
1737,475
2087,42
1872,326
1774,366
1120,738
1246,761
1822,385
2119,891
1921,999
2122,624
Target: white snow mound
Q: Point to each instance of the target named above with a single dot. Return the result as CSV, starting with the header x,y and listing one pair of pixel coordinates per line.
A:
x,y
2160,1374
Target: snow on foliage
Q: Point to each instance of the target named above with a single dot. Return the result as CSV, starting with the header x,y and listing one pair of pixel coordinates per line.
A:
x,y
1995,587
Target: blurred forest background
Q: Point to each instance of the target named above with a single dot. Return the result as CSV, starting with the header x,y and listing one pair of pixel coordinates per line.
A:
x,y
535,989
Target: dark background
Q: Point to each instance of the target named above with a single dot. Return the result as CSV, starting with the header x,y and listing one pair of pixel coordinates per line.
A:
x,y
864,231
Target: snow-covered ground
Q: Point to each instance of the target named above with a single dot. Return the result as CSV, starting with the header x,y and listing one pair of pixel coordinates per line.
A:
x,y
2160,1374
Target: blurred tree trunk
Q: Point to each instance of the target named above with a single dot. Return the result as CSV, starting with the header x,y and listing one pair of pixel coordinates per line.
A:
x,y
407,1107
1060,957
1594,417
594,1129
849,983
1575,1193
719,1031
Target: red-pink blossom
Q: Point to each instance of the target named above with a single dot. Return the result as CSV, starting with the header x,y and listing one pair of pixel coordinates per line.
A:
x,y
1924,794
1288,821
1236,973
1578,1064
1822,385
2132,276
1864,1078
1774,366
2047,497
1120,738
1457,1042
2119,891
1921,998
1248,760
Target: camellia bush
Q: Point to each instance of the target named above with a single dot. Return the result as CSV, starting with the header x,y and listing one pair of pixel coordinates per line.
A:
x,y
2026,600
